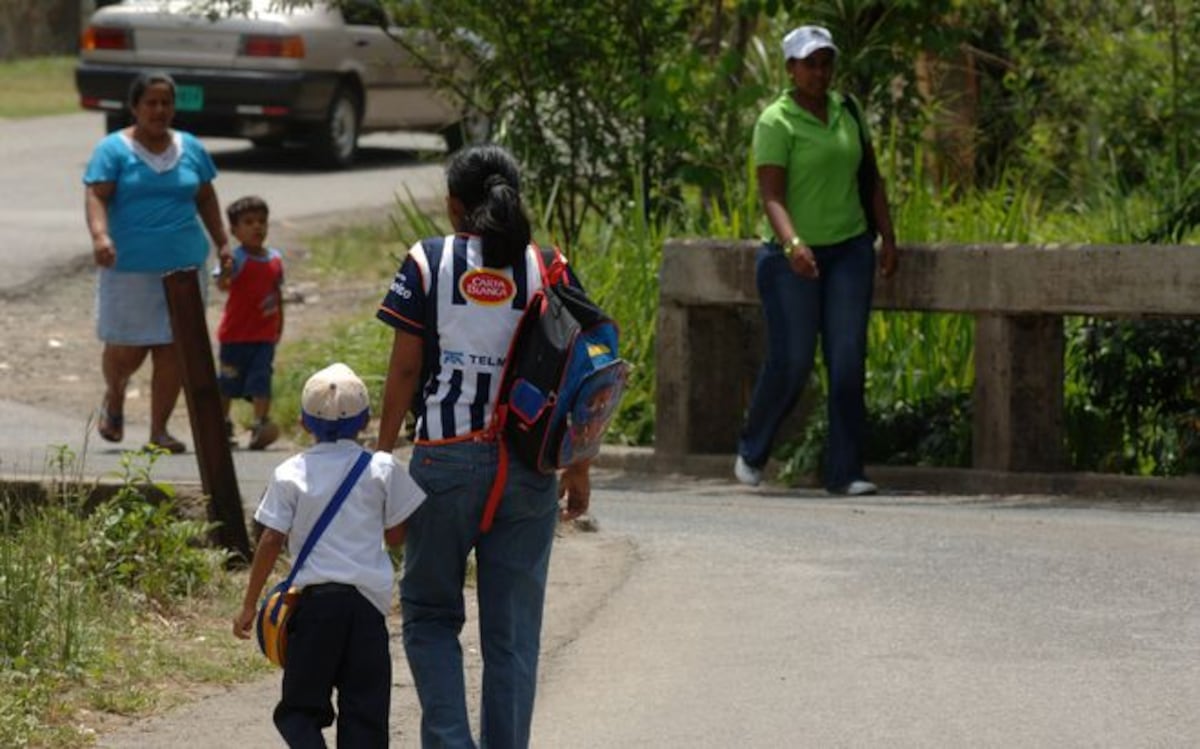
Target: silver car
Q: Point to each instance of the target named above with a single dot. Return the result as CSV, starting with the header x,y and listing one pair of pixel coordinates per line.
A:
x,y
322,74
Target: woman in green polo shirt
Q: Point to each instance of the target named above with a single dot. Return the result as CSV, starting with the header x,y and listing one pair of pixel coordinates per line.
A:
x,y
815,271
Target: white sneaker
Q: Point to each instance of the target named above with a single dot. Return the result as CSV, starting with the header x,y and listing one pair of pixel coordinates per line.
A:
x,y
746,473
860,487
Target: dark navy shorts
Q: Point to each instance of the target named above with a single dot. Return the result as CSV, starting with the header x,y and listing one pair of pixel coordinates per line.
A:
x,y
245,370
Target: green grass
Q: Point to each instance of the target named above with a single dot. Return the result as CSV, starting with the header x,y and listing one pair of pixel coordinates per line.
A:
x,y
367,252
38,86
89,623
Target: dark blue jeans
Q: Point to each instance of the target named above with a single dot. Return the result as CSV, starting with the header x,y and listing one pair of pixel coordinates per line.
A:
x,y
336,639
512,561
796,310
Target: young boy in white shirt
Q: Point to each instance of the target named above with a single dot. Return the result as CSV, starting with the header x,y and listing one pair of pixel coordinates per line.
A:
x,y
337,634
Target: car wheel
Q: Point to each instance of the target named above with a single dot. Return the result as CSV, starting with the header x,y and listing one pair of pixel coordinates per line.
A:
x,y
337,141
114,121
472,129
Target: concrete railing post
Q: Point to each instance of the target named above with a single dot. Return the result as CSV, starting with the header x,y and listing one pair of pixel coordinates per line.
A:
x,y
1018,395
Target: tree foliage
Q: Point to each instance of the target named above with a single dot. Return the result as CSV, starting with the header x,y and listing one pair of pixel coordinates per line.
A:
x,y
609,99
1081,104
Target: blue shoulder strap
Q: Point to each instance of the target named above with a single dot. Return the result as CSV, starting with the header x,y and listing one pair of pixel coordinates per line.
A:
x,y
327,516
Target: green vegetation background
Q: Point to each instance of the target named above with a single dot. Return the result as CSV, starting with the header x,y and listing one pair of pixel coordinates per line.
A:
x,y
996,122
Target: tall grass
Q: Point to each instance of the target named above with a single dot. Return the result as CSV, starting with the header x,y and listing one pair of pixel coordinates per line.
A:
x,y
77,591
617,259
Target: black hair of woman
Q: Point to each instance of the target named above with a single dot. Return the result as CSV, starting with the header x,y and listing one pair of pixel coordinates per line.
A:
x,y
145,81
485,179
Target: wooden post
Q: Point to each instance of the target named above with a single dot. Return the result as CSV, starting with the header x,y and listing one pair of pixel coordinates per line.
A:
x,y
217,475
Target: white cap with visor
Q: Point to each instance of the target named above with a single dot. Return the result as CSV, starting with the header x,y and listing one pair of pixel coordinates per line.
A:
x,y
802,41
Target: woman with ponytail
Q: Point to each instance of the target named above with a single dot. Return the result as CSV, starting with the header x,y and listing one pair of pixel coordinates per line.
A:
x,y
454,304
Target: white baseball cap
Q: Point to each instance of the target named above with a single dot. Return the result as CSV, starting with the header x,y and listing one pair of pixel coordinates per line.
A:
x,y
802,41
335,403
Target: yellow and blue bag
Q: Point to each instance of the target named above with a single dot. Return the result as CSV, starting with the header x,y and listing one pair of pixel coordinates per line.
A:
x,y
272,620
279,605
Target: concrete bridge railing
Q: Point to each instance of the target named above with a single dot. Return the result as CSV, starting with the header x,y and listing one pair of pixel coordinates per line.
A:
x,y
710,332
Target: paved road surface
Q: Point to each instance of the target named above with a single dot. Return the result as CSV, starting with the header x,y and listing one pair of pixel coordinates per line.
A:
x,y
793,620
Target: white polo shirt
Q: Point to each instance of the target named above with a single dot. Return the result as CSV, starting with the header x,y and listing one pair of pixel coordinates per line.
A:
x,y
351,550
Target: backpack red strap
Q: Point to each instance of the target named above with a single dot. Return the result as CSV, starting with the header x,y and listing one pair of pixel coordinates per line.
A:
x,y
553,267
498,484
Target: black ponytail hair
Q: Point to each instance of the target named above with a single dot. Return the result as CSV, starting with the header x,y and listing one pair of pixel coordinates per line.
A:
x,y
486,179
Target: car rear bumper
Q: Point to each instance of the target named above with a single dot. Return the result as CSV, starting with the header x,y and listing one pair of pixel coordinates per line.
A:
x,y
241,103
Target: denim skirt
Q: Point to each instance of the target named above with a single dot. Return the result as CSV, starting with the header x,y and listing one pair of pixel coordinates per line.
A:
x,y
131,308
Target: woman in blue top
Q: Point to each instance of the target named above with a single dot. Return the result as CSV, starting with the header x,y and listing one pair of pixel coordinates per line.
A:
x,y
816,270
147,190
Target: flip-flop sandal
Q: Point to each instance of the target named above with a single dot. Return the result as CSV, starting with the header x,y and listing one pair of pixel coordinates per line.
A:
x,y
110,426
166,443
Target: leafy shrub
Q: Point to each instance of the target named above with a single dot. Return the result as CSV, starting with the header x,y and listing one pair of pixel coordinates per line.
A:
x,y
1133,405
933,431
145,545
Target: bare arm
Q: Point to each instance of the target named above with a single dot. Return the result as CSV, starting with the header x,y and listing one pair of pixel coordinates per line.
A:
x,y
394,536
889,259
265,555
95,210
772,189
882,216
209,208
404,371
575,484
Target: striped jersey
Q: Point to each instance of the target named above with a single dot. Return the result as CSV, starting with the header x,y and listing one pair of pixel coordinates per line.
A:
x,y
466,315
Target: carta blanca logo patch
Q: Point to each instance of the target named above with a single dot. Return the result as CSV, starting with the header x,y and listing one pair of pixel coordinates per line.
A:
x,y
486,286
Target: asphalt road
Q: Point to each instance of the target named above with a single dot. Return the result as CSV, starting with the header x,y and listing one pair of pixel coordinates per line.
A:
x,y
42,162
796,620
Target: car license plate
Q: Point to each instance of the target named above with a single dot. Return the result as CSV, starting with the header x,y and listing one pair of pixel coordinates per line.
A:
x,y
189,98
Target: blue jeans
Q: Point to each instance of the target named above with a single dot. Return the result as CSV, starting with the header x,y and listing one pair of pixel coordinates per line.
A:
x,y
512,561
836,306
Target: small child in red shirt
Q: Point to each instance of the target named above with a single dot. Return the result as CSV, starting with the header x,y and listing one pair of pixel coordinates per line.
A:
x,y
252,321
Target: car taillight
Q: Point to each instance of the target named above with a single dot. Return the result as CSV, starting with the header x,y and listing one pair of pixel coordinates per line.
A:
x,y
261,45
101,37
